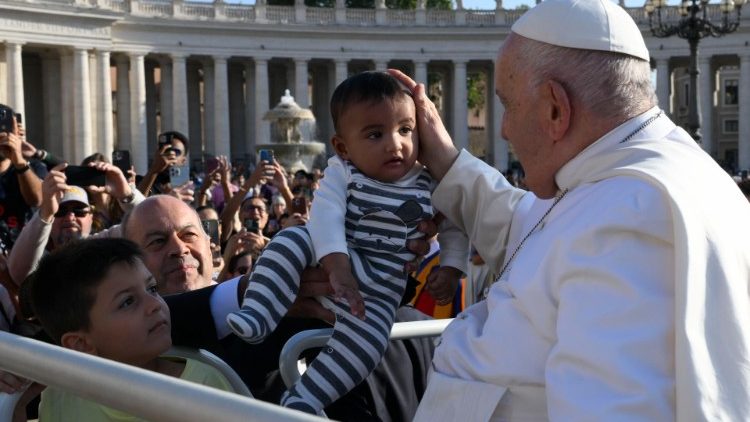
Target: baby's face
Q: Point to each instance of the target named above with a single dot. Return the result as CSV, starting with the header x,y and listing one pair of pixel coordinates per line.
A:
x,y
379,138
130,322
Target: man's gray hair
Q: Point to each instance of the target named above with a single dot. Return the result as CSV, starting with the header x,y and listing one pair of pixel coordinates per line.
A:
x,y
610,85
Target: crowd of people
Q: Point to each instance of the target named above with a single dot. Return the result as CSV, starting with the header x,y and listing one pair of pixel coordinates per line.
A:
x,y
610,272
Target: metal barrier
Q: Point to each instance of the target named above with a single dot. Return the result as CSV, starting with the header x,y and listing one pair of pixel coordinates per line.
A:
x,y
309,339
136,391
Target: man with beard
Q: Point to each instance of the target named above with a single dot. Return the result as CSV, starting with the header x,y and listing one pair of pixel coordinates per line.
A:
x,y
64,215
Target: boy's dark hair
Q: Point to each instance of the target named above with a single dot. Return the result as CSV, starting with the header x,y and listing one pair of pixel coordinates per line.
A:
x,y
63,288
370,86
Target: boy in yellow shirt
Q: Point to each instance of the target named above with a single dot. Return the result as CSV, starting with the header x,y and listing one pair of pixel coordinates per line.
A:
x,y
97,297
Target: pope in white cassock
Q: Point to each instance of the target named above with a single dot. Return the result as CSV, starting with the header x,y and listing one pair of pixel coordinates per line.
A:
x,y
623,288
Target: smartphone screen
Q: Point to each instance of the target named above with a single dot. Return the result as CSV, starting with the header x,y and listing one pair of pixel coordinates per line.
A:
x,y
211,227
84,176
179,175
121,159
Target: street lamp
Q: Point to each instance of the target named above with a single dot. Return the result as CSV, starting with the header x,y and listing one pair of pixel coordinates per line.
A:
x,y
693,26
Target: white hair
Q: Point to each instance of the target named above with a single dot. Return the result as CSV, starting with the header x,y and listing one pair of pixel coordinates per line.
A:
x,y
609,85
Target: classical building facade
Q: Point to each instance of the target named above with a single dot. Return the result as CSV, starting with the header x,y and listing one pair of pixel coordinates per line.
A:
x,y
97,75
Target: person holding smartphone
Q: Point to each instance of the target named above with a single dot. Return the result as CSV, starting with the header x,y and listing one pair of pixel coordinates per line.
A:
x,y
172,151
20,180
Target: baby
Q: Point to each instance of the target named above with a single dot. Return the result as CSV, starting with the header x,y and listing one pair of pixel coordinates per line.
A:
x,y
371,198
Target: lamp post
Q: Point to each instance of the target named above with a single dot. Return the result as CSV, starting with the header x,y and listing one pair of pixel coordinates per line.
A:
x,y
693,26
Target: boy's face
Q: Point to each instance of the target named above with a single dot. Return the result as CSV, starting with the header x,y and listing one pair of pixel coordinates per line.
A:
x,y
379,138
129,321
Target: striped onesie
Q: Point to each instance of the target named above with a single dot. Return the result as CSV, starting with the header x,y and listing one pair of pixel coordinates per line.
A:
x,y
378,218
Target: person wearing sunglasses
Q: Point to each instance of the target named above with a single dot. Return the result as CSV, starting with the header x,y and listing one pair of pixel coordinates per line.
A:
x,y
172,150
65,215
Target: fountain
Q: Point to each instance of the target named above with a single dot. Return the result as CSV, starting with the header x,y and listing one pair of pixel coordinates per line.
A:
x,y
291,149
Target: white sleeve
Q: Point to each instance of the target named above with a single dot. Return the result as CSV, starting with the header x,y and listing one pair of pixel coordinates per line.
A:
x,y
475,197
223,300
454,246
328,211
29,248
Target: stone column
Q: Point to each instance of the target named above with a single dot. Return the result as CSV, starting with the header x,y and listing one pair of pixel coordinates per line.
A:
x,y
53,139
66,93
262,128
139,129
221,107
195,119
706,104
151,110
744,113
342,71
250,108
300,83
420,71
81,105
166,84
123,104
3,76
104,88
209,106
236,93
14,66
179,94
663,84
460,113
498,145
94,100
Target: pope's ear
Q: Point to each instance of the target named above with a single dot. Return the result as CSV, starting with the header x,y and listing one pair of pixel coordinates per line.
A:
x,y
78,341
558,110
340,147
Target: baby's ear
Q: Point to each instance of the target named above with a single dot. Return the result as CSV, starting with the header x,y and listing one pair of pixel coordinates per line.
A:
x,y
78,341
340,147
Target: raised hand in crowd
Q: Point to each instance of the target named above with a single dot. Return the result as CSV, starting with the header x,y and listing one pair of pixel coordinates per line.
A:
x,y
53,188
295,219
11,148
165,157
184,192
280,180
116,183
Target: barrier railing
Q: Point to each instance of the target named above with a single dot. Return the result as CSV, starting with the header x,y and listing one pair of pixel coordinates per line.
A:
x,y
309,339
142,393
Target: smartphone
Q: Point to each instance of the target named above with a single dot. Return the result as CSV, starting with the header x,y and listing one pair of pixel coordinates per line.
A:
x,y
299,205
179,175
212,163
211,227
165,139
84,176
266,155
251,225
19,118
121,159
6,119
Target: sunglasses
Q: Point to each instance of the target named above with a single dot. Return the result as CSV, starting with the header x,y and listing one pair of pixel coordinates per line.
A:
x,y
177,152
79,212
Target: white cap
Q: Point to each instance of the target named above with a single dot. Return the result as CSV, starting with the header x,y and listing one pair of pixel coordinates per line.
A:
x,y
585,24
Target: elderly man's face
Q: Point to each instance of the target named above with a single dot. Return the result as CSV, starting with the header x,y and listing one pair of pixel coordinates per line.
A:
x,y
176,249
522,120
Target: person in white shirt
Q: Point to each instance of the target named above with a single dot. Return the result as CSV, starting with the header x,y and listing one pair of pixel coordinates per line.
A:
x,y
371,199
623,274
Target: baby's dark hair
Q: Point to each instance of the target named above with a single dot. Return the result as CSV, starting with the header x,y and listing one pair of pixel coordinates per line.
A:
x,y
63,287
370,86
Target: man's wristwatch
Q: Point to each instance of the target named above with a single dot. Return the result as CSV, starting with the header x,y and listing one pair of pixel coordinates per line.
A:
x,y
128,199
23,169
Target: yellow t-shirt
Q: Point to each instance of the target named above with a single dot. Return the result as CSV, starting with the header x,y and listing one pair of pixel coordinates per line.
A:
x,y
58,405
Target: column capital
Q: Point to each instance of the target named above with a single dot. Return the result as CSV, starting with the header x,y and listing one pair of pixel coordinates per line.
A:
x,y
178,55
221,57
301,59
136,54
460,62
744,57
13,43
259,60
704,60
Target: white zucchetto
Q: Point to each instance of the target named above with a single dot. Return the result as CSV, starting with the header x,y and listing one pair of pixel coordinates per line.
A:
x,y
585,24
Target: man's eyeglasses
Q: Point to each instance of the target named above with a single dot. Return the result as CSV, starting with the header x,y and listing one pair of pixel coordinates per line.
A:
x,y
177,152
260,209
79,212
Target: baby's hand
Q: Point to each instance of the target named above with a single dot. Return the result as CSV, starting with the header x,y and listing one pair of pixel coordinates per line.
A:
x,y
345,288
442,284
